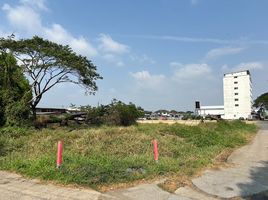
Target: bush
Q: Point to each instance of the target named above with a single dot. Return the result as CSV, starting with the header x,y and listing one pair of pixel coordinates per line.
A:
x,y
116,113
15,92
94,114
123,114
2,117
11,139
17,113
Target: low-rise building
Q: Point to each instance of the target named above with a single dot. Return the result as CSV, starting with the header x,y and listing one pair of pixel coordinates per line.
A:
x,y
217,111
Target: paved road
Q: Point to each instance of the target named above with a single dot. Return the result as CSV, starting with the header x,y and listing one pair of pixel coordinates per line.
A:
x,y
15,187
248,176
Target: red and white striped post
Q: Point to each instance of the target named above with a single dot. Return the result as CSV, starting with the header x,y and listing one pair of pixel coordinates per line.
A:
x,y
155,145
59,154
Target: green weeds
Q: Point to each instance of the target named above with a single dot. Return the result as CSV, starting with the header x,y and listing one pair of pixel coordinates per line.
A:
x,y
107,155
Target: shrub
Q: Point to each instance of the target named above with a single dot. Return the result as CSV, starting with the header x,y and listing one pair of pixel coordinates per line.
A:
x,y
15,92
17,113
116,113
123,114
14,132
94,114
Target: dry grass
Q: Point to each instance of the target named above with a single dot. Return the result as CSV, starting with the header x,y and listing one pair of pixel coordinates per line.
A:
x,y
184,122
111,157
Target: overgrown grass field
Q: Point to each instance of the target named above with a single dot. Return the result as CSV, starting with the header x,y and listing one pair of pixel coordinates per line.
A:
x,y
106,155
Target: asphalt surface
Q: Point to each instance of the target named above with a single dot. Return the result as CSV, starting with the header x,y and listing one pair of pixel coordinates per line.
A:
x,y
15,187
249,175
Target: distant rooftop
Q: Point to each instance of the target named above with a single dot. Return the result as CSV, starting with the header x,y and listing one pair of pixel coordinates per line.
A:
x,y
238,73
217,107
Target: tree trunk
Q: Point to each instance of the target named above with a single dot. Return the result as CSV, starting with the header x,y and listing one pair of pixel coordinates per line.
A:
x,y
33,106
34,112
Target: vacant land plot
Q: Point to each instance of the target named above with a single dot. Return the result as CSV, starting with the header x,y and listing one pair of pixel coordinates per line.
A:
x,y
185,122
106,155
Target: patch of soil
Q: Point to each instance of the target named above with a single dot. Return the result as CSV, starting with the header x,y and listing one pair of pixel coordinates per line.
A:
x,y
221,159
115,186
173,183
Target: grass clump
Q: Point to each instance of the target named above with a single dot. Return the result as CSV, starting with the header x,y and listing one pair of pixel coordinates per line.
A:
x,y
109,155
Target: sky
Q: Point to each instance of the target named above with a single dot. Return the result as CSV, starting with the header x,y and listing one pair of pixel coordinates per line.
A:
x,y
157,54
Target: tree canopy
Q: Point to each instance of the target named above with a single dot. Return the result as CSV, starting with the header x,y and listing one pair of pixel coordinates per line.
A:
x,y
115,113
47,63
14,92
262,100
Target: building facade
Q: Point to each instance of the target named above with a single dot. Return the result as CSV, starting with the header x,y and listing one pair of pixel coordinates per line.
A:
x,y
237,92
217,111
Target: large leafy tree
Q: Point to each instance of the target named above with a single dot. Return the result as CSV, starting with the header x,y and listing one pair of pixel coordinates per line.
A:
x,y
14,92
47,63
262,100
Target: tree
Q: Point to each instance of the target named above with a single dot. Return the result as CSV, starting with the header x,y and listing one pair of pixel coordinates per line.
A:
x,y
127,113
262,100
115,113
14,92
47,63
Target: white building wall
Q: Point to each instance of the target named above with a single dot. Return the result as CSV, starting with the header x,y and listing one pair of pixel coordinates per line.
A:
x,y
237,92
211,110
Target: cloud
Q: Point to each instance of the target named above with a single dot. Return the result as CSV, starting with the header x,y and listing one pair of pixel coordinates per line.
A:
x,y
25,17
178,91
175,64
40,4
225,68
219,52
142,59
248,66
194,2
116,60
120,64
83,46
146,76
147,80
108,45
191,71
58,34
240,41
112,51
243,66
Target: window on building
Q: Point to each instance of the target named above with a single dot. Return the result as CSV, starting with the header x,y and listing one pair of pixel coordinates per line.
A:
x,y
235,76
235,93
235,82
236,99
236,105
235,88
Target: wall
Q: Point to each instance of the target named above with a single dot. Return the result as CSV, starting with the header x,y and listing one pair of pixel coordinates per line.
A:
x,y
237,95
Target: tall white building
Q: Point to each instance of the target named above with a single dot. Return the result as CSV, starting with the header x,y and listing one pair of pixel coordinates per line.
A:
x,y
237,92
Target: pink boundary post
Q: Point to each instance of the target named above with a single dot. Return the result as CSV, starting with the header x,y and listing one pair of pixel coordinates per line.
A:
x,y
155,145
59,154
